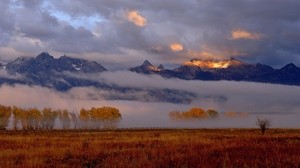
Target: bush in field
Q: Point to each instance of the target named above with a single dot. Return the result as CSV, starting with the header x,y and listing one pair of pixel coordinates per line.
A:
x,y
5,113
264,124
212,113
193,113
233,114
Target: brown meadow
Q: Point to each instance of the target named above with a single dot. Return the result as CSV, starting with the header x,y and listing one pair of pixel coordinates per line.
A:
x,y
151,148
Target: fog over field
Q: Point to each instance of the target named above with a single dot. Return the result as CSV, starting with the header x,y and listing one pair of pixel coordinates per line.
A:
x,y
279,103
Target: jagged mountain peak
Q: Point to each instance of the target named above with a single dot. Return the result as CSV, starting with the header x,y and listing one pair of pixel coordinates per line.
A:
x,y
231,69
44,54
79,64
147,63
44,63
234,59
65,57
289,66
44,57
23,59
161,67
146,67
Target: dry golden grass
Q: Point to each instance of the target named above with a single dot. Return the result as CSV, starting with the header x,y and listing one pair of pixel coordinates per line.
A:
x,y
151,148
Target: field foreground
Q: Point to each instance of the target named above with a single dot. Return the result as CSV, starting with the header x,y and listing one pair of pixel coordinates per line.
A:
x,y
151,148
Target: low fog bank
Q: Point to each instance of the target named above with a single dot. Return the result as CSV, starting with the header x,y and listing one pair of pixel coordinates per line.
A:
x,y
279,103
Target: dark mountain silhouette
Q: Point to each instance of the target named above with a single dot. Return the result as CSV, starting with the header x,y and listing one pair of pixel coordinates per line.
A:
x,y
45,70
147,68
232,70
65,73
45,63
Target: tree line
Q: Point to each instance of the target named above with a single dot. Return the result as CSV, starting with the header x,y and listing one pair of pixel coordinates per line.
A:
x,y
194,113
199,113
47,118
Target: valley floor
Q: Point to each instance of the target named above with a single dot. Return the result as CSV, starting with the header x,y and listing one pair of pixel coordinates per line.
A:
x,y
151,148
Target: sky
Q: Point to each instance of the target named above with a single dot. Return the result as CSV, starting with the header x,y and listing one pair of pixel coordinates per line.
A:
x,y
124,33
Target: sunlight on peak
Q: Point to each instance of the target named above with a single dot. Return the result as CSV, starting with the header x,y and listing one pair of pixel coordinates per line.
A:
x,y
209,64
154,68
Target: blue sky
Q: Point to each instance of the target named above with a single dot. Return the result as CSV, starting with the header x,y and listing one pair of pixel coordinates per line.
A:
x,y
88,22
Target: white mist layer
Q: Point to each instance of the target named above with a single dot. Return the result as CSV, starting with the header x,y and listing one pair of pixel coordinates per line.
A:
x,y
279,103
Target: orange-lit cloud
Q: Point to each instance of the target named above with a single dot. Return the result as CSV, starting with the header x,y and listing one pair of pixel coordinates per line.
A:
x,y
176,47
134,17
211,53
243,34
216,54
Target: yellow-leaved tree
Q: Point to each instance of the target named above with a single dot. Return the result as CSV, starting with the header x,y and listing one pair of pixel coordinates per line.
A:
x,y
5,113
64,118
192,114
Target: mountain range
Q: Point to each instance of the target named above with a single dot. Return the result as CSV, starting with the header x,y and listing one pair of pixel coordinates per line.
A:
x,y
65,73
231,70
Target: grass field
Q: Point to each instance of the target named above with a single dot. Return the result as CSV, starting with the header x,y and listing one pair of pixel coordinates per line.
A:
x,y
151,148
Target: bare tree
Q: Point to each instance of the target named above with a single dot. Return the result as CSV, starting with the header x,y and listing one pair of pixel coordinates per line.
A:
x,y
264,124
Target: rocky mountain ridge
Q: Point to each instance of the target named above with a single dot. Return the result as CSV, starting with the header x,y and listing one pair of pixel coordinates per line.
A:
x,y
231,70
65,73
45,70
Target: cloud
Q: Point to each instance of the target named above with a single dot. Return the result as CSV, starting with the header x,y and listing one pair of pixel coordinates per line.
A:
x,y
5,75
134,17
221,95
243,34
176,47
123,31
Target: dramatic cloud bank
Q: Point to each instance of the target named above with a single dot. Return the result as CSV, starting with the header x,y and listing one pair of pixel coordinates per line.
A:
x,y
123,33
278,102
